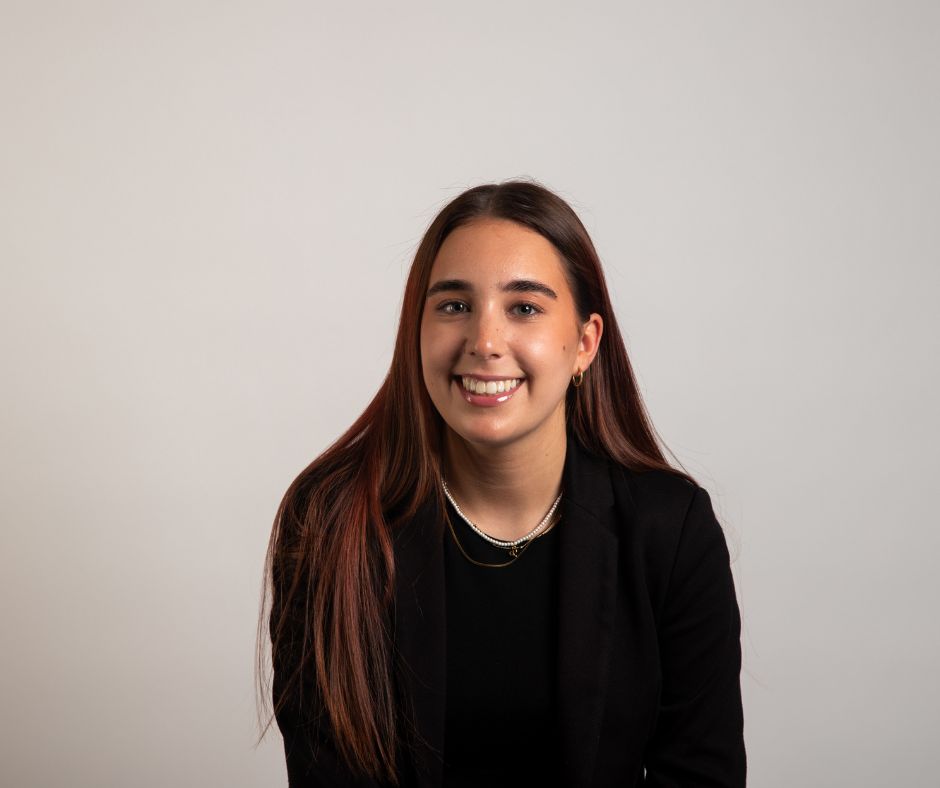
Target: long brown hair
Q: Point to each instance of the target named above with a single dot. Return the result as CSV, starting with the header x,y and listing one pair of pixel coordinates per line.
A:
x,y
330,566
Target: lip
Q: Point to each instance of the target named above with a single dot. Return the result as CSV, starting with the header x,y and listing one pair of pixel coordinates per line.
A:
x,y
486,400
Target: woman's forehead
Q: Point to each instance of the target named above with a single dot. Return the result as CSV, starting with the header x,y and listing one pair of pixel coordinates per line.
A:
x,y
493,252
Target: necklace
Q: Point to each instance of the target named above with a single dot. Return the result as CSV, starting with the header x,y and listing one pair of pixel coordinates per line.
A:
x,y
512,545
516,556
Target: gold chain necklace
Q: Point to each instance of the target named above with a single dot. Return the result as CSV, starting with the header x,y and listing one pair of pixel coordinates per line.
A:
x,y
515,552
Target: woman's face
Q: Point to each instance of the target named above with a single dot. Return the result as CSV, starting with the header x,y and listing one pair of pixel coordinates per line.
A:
x,y
500,335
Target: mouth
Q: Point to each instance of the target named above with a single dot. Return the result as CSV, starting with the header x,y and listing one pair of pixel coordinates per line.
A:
x,y
489,386
487,391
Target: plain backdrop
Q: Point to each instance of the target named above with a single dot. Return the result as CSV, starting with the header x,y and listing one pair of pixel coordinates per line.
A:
x,y
207,211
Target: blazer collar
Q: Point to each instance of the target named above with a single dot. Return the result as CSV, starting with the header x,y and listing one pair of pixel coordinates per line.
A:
x,y
587,592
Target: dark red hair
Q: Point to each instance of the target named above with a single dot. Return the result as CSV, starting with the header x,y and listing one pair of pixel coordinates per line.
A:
x,y
330,566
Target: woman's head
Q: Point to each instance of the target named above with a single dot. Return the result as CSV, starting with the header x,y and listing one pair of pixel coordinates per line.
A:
x,y
502,335
477,234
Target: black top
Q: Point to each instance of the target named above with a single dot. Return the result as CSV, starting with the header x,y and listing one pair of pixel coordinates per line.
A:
x,y
501,661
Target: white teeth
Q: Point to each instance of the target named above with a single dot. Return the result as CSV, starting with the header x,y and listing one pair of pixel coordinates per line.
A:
x,y
475,386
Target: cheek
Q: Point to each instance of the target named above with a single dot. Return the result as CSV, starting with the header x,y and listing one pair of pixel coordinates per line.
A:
x,y
435,348
426,340
553,349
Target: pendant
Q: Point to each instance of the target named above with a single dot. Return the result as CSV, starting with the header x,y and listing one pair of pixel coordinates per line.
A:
x,y
514,551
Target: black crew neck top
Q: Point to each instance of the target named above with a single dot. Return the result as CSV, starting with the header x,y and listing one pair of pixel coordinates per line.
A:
x,y
501,661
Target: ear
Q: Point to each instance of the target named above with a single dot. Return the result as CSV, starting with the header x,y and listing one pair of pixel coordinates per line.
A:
x,y
590,341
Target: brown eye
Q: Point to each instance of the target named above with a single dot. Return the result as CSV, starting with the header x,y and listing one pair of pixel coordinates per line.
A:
x,y
526,309
453,308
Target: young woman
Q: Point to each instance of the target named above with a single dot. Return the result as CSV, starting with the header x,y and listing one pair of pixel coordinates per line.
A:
x,y
494,577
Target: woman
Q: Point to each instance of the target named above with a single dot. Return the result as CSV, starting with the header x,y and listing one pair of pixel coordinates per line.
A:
x,y
494,577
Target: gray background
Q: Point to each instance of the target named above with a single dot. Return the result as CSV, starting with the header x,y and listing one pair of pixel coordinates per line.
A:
x,y
208,210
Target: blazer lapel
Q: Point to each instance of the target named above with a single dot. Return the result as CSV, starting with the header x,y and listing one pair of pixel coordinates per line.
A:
x,y
587,598
420,638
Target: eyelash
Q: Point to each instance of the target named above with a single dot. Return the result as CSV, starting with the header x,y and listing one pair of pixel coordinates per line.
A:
x,y
444,308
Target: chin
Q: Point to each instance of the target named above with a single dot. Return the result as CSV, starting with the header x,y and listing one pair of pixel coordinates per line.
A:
x,y
488,436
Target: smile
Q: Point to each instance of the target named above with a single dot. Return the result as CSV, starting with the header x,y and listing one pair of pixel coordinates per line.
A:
x,y
487,393
490,387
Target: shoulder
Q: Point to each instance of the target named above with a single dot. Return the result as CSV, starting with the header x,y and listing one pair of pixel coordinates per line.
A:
x,y
669,521
638,505
657,502
656,493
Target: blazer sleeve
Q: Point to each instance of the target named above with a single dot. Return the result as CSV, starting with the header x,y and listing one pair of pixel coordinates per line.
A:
x,y
698,739
310,752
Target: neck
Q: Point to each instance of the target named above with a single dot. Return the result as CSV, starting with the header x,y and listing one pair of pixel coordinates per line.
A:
x,y
506,490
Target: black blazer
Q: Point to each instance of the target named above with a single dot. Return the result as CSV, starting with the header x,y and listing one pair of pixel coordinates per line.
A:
x,y
649,652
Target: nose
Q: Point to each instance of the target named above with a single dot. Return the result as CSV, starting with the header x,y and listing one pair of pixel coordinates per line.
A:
x,y
485,335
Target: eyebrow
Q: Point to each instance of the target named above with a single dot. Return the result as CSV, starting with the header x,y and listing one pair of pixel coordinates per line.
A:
x,y
515,286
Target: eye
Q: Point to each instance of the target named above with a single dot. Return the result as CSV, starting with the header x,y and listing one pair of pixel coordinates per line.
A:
x,y
453,307
525,309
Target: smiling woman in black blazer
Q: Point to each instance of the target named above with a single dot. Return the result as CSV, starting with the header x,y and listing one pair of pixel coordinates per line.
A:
x,y
494,577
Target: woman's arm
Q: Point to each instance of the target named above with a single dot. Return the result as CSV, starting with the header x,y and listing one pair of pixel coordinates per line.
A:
x,y
698,739
309,748
311,756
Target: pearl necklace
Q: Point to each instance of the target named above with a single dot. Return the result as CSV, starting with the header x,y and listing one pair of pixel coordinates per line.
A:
x,y
512,545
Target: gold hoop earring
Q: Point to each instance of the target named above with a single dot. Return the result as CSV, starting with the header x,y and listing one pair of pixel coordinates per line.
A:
x,y
578,379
